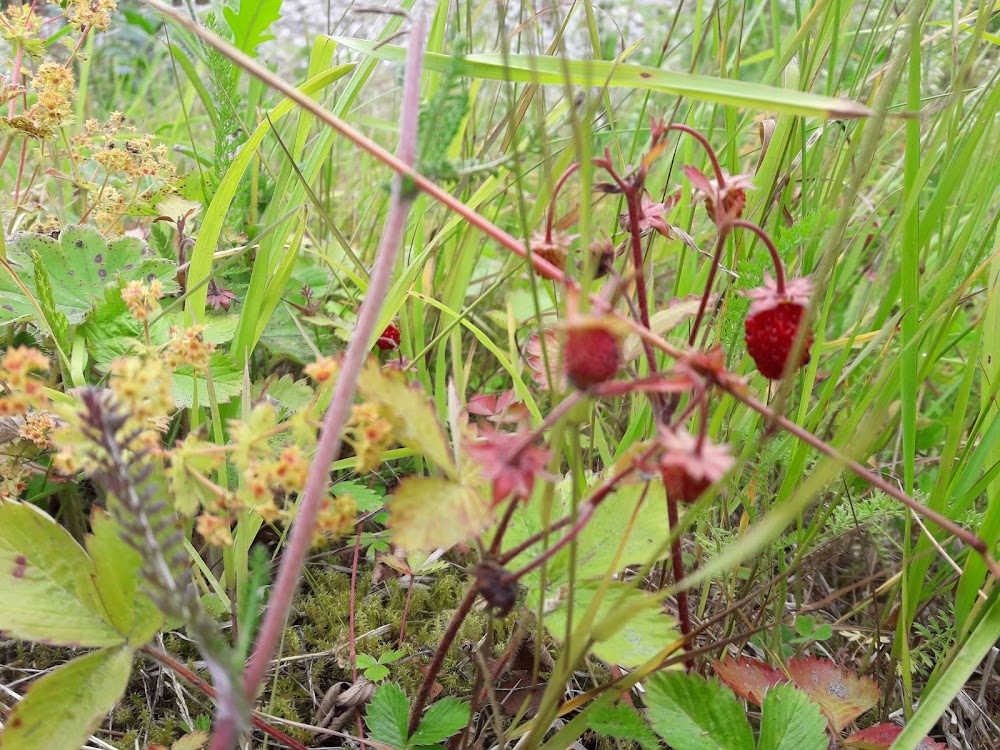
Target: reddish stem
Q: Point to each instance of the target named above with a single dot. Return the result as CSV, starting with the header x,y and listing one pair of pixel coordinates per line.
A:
x,y
350,611
779,268
712,272
677,565
586,513
175,666
708,149
552,201
454,625
406,610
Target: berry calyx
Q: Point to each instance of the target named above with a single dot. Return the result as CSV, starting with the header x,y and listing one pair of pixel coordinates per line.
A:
x,y
690,467
389,338
591,353
772,324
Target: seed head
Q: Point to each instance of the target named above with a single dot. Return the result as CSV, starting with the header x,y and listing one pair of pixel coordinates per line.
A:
x,y
687,468
591,352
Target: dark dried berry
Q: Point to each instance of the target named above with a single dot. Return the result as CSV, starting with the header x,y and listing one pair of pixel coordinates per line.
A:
x,y
497,587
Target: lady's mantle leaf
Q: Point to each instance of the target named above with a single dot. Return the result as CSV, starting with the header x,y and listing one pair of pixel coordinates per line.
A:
x,y
691,713
750,678
881,737
63,707
430,513
841,694
47,589
791,721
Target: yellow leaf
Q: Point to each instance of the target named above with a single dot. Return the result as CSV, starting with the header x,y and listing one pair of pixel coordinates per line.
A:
x,y
430,513
415,423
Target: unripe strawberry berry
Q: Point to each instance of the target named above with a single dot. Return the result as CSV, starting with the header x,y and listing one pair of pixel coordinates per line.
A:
x,y
772,324
591,353
389,338
689,468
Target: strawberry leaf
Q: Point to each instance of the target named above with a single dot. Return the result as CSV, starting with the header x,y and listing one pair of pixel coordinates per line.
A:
x,y
750,678
791,721
691,713
881,737
442,720
841,694
387,715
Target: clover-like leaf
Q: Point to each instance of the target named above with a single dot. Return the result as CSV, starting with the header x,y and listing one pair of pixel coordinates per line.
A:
x,y
749,678
80,264
842,695
881,737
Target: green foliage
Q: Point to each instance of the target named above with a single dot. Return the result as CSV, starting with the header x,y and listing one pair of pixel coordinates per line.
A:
x,y
621,722
692,713
388,714
791,721
249,23
440,119
375,670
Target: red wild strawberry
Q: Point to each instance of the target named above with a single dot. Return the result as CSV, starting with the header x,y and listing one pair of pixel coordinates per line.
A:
x,y
591,352
772,323
688,467
389,338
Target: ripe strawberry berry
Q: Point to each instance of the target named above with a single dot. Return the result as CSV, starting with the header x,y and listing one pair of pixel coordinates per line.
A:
x,y
591,352
688,467
772,323
389,338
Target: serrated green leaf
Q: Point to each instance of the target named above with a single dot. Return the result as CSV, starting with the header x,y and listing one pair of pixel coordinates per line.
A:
x,y
365,661
117,567
376,672
387,716
621,722
691,713
80,265
366,498
293,395
250,23
56,320
63,707
629,641
791,721
441,721
428,514
48,592
415,423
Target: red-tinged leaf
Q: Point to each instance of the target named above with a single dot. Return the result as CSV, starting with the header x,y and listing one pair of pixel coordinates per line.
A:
x,y
748,678
842,694
881,737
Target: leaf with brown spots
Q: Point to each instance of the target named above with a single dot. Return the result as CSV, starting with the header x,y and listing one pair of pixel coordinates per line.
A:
x,y
881,737
749,678
842,694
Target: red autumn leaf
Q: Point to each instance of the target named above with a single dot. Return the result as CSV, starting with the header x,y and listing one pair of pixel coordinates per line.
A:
x,y
748,678
881,737
842,694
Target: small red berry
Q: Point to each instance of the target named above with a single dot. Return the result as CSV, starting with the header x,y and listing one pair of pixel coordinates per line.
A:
x,y
772,323
591,353
389,338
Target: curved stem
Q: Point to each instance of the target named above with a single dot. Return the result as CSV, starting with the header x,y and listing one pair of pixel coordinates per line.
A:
x,y
779,268
712,272
708,148
552,201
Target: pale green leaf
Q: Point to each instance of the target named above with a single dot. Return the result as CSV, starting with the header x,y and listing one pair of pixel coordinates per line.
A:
x,y
621,722
556,71
62,708
624,640
691,713
791,721
48,592
430,513
117,567
250,23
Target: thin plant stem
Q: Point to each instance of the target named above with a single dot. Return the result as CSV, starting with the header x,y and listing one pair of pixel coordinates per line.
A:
x,y
550,221
454,625
350,612
779,268
712,272
328,448
964,535
708,149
